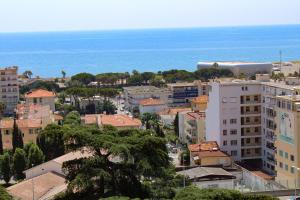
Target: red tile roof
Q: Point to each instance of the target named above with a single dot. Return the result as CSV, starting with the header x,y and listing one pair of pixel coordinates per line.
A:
x,y
22,123
204,146
151,102
39,93
119,120
200,99
173,111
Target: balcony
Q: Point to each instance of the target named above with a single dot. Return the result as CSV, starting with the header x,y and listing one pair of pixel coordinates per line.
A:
x,y
251,144
258,112
251,122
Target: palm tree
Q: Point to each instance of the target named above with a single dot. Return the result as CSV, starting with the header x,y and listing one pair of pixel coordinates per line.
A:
x,y
63,74
27,73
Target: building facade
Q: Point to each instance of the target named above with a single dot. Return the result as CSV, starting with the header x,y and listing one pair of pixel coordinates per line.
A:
x,y
9,88
151,106
41,97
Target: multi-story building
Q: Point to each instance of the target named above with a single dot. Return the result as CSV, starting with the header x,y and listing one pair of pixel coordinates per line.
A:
x,y
151,106
41,97
133,95
288,140
9,88
233,118
183,93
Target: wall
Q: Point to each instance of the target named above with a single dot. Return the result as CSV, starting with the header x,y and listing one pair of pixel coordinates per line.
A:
x,y
224,184
45,101
152,109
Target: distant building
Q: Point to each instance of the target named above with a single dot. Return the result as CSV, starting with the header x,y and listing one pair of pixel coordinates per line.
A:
x,y
247,68
119,121
9,88
151,105
183,92
208,154
87,105
42,97
210,177
134,94
199,103
168,115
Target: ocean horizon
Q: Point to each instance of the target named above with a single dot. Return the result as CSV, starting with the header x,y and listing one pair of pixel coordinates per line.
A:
x,y
47,53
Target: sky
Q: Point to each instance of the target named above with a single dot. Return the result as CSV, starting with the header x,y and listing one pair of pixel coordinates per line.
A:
x,y
67,15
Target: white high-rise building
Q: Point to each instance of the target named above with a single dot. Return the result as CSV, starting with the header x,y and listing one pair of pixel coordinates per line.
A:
x,y
233,118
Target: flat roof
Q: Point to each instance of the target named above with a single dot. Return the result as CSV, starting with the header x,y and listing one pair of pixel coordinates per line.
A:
x,y
199,172
234,63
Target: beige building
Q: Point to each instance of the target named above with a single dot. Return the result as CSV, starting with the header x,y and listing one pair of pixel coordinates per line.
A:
x,y
288,140
151,106
208,154
41,97
119,121
9,88
199,103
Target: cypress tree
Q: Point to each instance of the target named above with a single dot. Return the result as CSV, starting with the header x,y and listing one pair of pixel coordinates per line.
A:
x,y
17,139
5,167
1,144
19,163
176,125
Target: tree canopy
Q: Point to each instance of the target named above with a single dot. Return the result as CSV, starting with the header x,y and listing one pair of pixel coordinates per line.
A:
x,y
84,78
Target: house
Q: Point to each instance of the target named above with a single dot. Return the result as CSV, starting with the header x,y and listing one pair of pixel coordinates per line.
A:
x,y
209,177
42,187
191,127
151,105
167,116
199,103
208,154
42,97
119,121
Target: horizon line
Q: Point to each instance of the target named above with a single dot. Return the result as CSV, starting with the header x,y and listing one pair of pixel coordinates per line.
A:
x,y
146,28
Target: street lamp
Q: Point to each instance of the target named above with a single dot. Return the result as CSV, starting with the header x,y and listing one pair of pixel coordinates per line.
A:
x,y
297,169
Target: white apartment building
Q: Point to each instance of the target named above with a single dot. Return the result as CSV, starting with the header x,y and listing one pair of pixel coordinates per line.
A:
x,y
233,118
9,88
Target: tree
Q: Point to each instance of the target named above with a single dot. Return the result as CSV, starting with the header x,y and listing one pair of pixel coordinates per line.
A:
x,y
27,146
141,157
72,118
35,156
19,163
212,72
107,106
5,167
176,125
84,78
2,108
149,120
17,138
4,194
27,74
40,84
63,73
50,141
1,144
147,76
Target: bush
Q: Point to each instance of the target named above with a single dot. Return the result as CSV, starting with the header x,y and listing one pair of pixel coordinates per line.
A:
x,y
4,194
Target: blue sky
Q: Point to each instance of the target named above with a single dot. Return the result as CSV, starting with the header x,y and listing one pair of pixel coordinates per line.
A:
x,y
59,15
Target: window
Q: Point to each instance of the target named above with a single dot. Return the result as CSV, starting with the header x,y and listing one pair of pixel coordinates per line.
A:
x,y
256,140
257,151
286,167
233,121
286,155
7,132
248,151
256,129
247,109
247,98
233,132
225,143
30,131
224,132
255,98
34,100
234,153
247,119
292,158
280,165
281,153
256,108
233,142
292,170
247,140
41,100
224,121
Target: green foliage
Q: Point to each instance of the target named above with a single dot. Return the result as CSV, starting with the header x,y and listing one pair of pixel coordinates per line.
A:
x,y
39,84
147,77
176,125
139,157
195,193
4,194
185,156
150,120
84,78
72,118
27,147
50,141
17,138
277,76
175,75
63,73
111,78
135,78
5,167
107,106
35,156
1,144
19,163
212,72
27,74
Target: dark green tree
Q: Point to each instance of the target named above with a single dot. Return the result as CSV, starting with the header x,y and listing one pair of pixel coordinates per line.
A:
x,y
4,194
19,162
149,120
5,166
1,144
176,125
72,118
84,78
107,106
35,156
147,76
17,138
50,141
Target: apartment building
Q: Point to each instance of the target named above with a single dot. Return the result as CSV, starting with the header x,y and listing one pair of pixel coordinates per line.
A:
x,y
233,118
133,95
9,88
288,140
183,92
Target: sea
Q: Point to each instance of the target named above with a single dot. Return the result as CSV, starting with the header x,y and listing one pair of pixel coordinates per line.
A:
x,y
46,54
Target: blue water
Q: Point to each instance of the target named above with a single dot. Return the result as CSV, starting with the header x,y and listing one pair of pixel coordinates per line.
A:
x,y
46,54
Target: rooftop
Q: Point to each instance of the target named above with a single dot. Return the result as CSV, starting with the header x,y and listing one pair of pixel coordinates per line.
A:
x,y
151,102
182,84
43,186
120,120
204,146
173,111
205,172
234,63
200,99
144,89
39,93
22,123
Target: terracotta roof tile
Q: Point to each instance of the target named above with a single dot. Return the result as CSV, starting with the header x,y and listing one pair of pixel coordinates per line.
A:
x,y
151,102
204,146
119,120
22,123
173,111
39,93
200,99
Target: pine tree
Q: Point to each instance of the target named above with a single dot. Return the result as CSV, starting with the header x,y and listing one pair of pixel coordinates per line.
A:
x,y
19,163
17,139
